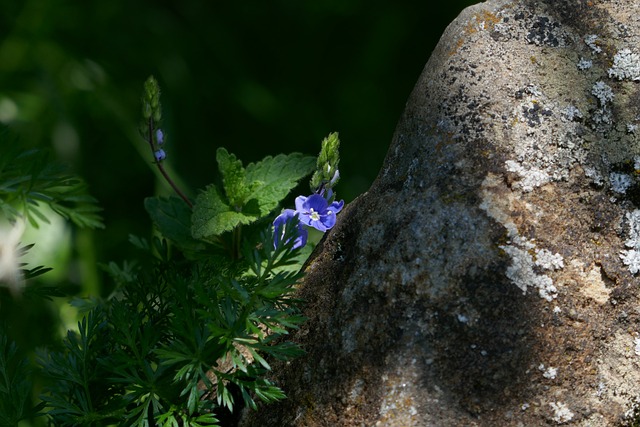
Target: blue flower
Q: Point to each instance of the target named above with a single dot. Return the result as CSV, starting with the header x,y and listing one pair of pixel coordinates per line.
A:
x,y
280,227
160,155
316,212
159,137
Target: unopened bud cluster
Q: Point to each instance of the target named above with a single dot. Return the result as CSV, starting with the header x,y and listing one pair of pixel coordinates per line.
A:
x,y
152,113
320,208
151,100
327,175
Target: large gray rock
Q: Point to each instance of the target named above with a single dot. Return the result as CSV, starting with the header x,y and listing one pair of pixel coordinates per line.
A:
x,y
489,276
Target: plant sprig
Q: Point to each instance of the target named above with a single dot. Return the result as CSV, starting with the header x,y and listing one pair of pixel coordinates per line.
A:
x,y
194,325
152,114
29,179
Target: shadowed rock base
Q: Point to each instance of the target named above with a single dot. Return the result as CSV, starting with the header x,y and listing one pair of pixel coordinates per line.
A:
x,y
489,276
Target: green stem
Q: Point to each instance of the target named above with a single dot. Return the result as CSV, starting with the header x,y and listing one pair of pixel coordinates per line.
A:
x,y
236,240
163,171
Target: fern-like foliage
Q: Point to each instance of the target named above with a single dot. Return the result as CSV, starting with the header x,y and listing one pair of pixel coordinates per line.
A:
x,y
168,348
29,179
194,324
15,385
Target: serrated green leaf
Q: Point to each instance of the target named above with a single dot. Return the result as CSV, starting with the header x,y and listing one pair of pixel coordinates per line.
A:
x,y
233,178
173,218
274,177
212,216
252,193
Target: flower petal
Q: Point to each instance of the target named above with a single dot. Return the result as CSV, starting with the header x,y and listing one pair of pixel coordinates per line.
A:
x,y
319,225
328,220
301,240
300,201
336,207
280,224
315,202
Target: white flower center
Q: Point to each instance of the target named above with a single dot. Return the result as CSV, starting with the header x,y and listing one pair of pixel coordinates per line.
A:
x,y
315,216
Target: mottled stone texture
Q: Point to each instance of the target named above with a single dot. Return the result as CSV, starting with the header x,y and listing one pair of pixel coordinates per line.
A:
x,y
489,277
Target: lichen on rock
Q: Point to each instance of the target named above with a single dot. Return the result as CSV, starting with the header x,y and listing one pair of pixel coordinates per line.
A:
x,y
512,169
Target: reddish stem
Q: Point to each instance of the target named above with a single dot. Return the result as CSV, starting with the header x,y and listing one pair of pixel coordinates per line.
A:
x,y
163,171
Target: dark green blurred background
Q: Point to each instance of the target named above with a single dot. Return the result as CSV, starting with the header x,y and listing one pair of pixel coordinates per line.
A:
x,y
257,77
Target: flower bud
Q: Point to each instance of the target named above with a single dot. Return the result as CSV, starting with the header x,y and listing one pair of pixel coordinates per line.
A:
x,y
151,100
159,137
326,174
160,155
146,110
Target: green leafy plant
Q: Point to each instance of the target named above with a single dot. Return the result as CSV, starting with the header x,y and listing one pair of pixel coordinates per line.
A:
x,y
249,194
28,180
15,385
194,324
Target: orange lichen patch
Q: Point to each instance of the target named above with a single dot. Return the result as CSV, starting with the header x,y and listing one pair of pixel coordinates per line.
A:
x,y
457,47
489,18
483,20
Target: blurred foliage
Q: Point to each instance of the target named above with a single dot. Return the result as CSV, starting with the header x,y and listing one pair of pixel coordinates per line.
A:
x,y
256,77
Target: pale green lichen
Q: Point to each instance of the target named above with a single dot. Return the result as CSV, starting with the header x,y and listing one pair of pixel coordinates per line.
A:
x,y
529,178
626,66
548,372
522,274
590,41
620,182
631,257
547,260
602,92
561,412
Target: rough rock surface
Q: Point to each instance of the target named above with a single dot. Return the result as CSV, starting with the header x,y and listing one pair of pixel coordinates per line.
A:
x,y
489,276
